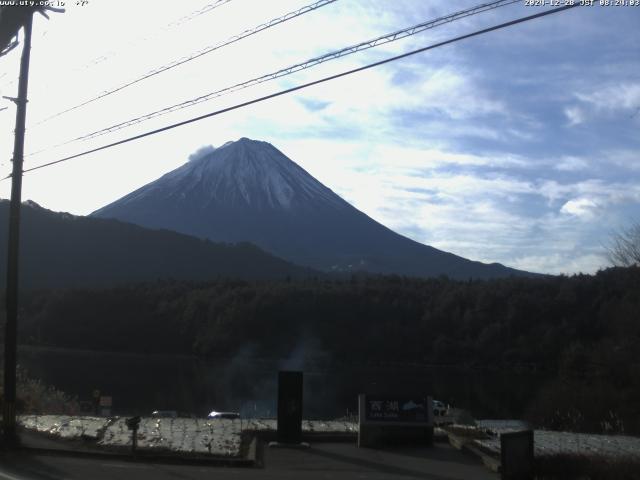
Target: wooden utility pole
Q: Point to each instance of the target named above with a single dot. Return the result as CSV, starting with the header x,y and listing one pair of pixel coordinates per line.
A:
x,y
10,333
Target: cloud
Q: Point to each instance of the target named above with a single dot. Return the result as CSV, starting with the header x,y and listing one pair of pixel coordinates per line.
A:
x,y
625,159
487,216
424,157
374,101
607,100
313,105
571,164
581,207
456,92
575,115
613,98
601,192
562,263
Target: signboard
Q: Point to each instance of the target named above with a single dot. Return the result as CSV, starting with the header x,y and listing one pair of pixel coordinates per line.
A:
x,y
398,410
394,419
394,409
106,401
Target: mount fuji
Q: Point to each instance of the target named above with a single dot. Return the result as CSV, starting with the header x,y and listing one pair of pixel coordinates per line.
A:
x,y
249,191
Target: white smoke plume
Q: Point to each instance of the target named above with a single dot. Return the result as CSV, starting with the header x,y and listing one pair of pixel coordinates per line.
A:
x,y
201,152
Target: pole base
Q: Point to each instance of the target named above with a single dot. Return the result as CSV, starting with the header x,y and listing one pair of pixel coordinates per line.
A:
x,y
9,440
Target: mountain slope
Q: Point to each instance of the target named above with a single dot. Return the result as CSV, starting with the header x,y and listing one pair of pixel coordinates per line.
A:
x,y
63,250
249,191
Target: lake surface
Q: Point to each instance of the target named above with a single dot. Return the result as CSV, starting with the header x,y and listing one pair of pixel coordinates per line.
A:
x,y
140,384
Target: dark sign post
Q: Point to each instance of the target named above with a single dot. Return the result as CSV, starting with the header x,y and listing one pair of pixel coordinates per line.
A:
x,y
132,424
289,407
96,402
397,419
516,452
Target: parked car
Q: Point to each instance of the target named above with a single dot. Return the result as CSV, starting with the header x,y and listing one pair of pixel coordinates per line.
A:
x,y
164,414
439,408
228,415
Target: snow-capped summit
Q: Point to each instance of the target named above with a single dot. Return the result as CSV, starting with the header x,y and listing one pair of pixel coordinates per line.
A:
x,y
248,190
241,174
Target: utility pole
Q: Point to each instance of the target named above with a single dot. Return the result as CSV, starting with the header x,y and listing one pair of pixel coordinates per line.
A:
x,y
10,333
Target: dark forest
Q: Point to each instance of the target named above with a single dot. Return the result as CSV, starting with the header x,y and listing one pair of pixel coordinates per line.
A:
x,y
581,332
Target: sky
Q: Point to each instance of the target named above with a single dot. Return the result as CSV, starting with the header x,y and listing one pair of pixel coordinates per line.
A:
x,y
519,146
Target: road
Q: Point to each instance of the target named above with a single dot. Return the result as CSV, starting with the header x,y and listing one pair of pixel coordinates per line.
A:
x,y
321,461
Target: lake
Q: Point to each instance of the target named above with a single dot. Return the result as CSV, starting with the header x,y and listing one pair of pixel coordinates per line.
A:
x,y
142,383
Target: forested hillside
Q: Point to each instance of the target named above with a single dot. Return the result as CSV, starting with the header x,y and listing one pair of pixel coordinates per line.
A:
x,y
63,250
583,332
517,321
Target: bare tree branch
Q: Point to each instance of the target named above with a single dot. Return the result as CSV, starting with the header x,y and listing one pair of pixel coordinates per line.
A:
x,y
624,247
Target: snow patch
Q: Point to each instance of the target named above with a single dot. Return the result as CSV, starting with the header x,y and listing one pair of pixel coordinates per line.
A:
x,y
554,443
241,173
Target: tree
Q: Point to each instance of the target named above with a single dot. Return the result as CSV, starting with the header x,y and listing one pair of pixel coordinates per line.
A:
x,y
624,247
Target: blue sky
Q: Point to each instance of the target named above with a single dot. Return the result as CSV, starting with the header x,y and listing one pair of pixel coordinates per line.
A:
x,y
520,146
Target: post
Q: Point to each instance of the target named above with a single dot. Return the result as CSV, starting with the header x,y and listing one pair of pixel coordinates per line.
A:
x,y
290,407
133,424
517,455
10,333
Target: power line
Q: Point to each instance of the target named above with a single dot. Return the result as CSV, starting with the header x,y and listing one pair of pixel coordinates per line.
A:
x,y
397,35
197,13
305,85
387,38
198,54
207,8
